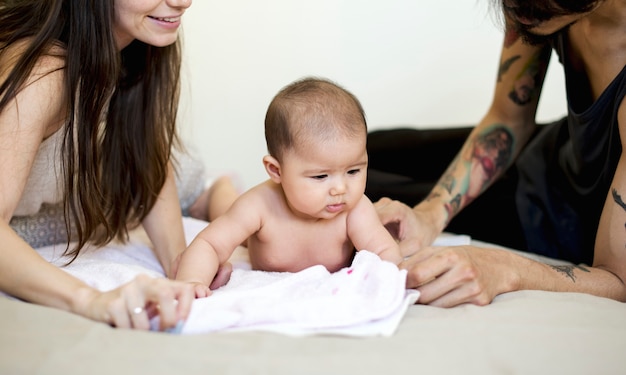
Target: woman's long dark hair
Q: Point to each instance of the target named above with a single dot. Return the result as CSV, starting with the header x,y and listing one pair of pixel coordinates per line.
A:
x,y
121,127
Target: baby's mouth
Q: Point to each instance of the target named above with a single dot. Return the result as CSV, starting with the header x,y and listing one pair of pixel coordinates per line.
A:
x,y
335,207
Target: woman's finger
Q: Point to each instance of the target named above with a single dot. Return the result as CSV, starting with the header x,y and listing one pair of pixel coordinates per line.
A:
x,y
168,316
136,307
171,299
118,314
185,298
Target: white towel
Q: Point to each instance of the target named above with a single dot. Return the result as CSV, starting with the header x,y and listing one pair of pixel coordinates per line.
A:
x,y
108,267
366,299
312,301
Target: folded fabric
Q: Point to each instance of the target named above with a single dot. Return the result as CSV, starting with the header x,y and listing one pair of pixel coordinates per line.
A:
x,y
311,301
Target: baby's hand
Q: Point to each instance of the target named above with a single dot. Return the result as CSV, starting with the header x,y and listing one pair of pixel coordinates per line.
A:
x,y
223,276
200,289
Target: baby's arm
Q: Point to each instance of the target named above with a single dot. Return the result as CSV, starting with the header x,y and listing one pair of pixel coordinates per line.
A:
x,y
199,263
367,232
216,243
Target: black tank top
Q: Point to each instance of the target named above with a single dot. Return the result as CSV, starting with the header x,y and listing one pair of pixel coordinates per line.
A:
x,y
565,172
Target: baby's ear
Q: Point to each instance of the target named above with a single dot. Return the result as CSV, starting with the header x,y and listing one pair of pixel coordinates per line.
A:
x,y
272,167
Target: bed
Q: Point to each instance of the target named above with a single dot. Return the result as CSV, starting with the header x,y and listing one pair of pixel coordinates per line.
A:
x,y
526,332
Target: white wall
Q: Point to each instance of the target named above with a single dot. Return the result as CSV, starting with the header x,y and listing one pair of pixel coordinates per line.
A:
x,y
410,63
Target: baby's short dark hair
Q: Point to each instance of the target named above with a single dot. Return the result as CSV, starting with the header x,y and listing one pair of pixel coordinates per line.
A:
x,y
311,107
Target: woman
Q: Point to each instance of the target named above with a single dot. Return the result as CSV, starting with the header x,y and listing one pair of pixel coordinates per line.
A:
x,y
88,101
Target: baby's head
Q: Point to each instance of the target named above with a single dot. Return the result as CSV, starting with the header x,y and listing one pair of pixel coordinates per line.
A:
x,y
312,111
316,136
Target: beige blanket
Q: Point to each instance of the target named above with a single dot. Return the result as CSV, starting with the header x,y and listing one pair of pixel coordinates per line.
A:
x,y
528,332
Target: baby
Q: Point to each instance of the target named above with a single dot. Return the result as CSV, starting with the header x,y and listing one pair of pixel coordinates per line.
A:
x,y
312,210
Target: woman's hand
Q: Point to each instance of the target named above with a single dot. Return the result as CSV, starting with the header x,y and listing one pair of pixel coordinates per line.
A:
x,y
133,304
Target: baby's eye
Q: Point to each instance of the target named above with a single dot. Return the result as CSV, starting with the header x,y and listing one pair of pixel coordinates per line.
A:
x,y
354,171
319,177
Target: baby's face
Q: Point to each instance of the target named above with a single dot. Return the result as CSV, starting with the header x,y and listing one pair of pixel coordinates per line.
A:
x,y
324,179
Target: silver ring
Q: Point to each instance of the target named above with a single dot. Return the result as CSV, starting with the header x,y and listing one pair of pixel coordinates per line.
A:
x,y
137,310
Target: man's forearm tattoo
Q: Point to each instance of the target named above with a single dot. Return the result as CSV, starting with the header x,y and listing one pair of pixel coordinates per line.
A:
x,y
447,182
492,152
527,84
620,202
618,199
489,153
496,145
432,195
568,270
510,37
504,67
454,206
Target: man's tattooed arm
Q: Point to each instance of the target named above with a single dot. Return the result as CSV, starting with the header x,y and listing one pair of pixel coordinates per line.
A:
x,y
447,183
618,199
478,165
528,83
504,67
569,270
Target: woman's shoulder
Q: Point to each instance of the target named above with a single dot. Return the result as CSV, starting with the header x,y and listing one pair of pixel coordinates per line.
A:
x,y
52,59
41,89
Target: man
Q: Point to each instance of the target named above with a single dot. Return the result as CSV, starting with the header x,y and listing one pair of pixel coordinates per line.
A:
x,y
565,182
